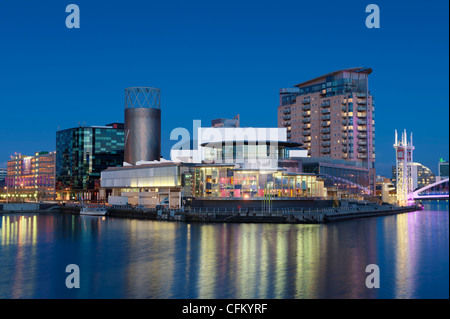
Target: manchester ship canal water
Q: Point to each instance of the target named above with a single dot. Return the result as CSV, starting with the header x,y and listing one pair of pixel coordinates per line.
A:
x,y
130,258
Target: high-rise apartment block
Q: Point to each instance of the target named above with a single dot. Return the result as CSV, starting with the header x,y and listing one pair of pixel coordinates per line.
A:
x,y
333,116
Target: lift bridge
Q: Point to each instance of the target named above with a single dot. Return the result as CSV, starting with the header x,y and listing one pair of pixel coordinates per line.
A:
x,y
404,160
435,191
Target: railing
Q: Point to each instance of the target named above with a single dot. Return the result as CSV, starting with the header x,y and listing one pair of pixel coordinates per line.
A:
x,y
304,101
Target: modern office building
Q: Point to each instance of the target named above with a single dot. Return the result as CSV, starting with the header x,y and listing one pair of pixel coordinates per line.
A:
x,y
81,154
3,173
443,170
234,122
142,124
31,177
334,116
421,176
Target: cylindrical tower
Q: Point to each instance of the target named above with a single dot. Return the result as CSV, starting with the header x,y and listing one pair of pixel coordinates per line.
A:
x,y
142,124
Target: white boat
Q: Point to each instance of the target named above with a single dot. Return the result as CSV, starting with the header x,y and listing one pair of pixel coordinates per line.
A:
x,y
93,211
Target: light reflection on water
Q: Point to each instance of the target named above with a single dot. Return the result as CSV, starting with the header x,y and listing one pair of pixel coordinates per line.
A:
x,y
121,258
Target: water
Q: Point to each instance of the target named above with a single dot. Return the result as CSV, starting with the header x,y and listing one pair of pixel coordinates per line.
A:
x,y
124,258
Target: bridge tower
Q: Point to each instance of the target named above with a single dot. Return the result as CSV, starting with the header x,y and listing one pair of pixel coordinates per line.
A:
x,y
404,160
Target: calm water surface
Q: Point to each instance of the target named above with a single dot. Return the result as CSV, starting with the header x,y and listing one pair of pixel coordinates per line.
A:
x,y
124,258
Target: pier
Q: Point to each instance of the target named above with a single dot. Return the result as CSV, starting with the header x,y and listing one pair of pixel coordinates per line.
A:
x,y
233,215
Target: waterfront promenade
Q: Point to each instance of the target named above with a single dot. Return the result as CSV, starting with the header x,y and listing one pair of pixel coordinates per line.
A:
x,y
227,215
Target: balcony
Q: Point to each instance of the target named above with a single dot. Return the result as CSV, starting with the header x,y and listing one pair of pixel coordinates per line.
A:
x,y
287,111
286,117
362,149
306,120
325,117
287,123
344,109
344,135
362,122
361,108
306,126
362,135
361,101
325,130
326,150
288,135
344,149
362,143
362,155
325,111
325,104
306,132
304,114
306,101
344,101
363,115
306,107
362,128
344,122
306,139
361,94
325,124
325,137
328,143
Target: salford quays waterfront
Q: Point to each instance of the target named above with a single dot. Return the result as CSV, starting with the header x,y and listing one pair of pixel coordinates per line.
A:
x,y
129,258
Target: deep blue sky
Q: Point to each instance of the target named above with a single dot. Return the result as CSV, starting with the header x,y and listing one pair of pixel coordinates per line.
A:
x,y
215,59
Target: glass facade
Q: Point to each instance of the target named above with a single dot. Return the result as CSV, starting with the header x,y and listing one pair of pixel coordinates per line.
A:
x,y
225,181
242,152
82,153
349,179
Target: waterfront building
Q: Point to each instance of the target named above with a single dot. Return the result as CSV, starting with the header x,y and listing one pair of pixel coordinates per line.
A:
x,y
421,175
31,177
343,179
385,190
234,122
333,116
81,154
443,170
3,173
228,164
142,124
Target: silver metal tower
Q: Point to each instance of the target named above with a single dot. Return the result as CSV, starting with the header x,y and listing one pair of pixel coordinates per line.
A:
x,y
142,124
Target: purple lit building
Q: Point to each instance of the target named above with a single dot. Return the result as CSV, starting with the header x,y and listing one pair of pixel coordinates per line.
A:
x,y
333,115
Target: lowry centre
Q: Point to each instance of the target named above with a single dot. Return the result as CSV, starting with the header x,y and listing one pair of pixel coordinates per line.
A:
x,y
224,166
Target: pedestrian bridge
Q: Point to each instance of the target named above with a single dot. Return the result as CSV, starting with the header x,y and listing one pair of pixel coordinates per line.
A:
x,y
438,190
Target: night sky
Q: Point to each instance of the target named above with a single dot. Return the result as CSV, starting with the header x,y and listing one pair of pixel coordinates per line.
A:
x,y
215,59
